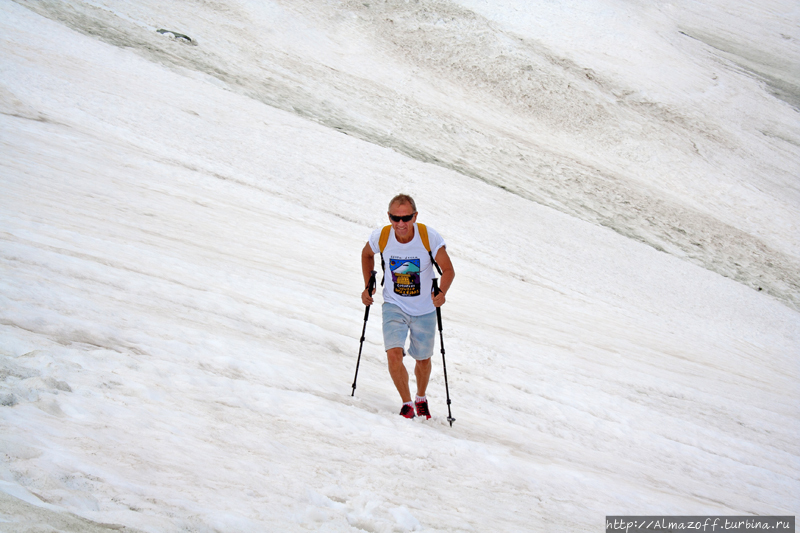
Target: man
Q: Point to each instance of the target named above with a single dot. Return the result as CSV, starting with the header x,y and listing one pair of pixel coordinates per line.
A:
x,y
409,304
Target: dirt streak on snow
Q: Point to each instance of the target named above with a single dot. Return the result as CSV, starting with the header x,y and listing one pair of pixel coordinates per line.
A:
x,y
479,95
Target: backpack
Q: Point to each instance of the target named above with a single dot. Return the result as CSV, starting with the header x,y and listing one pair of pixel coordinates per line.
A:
x,y
423,234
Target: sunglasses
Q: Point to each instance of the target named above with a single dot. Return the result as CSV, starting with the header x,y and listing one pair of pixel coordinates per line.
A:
x,y
406,218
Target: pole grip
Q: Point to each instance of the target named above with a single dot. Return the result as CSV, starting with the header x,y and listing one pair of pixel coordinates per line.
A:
x,y
436,291
371,289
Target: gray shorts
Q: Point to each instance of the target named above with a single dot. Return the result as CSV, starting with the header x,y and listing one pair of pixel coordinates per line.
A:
x,y
396,328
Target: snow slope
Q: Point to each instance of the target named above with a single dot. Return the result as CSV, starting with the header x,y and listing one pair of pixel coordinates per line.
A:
x,y
178,352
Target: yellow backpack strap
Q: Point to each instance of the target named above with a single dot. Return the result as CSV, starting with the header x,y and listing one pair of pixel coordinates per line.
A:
x,y
385,237
423,234
382,242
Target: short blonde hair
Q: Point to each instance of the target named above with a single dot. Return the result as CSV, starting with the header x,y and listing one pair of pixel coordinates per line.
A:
x,y
403,199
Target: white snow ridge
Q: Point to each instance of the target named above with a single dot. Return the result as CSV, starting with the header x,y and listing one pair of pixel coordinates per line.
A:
x,y
617,186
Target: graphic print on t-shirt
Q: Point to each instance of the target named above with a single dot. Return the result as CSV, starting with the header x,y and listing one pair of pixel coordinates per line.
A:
x,y
405,276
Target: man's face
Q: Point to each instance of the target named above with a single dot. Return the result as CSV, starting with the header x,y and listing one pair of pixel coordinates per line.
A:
x,y
402,229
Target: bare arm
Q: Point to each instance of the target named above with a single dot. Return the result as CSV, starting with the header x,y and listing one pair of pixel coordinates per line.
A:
x,y
448,274
367,266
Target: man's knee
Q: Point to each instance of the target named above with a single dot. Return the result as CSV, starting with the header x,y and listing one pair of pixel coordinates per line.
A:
x,y
424,363
394,355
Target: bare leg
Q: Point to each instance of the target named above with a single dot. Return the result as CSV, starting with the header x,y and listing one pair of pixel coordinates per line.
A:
x,y
399,373
422,371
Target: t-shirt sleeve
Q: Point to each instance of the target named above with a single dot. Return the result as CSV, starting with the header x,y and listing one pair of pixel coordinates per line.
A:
x,y
374,240
436,241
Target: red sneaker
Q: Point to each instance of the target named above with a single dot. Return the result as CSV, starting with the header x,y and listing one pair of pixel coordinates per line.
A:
x,y
422,409
407,411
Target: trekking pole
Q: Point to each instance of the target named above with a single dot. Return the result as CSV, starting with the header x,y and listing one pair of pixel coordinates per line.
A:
x,y
444,363
371,288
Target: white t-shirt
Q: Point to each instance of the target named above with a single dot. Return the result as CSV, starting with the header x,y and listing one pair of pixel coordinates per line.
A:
x,y
409,271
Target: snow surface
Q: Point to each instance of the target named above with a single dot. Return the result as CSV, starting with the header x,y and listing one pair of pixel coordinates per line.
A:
x,y
615,181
